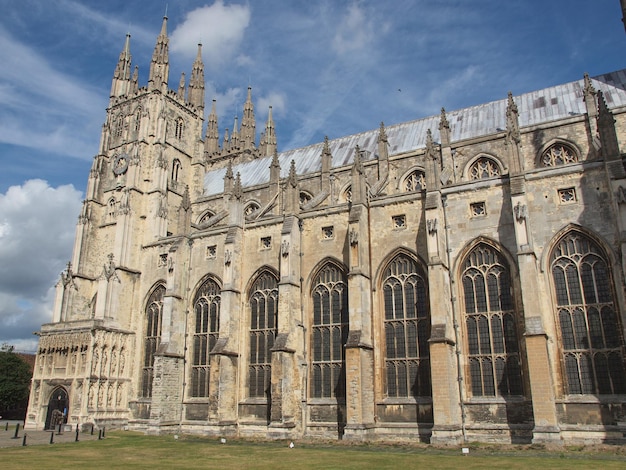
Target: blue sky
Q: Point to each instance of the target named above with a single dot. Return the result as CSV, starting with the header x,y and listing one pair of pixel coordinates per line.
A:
x,y
327,67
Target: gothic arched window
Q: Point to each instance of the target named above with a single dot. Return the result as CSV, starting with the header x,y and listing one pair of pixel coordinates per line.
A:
x,y
407,329
206,307
491,324
179,128
482,168
263,316
111,210
416,181
154,313
591,335
176,167
558,154
329,333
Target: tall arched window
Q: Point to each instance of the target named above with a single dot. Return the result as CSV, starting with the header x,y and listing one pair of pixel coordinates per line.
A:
x,y
179,128
329,333
176,166
407,329
263,316
206,306
111,210
491,324
591,335
154,313
483,167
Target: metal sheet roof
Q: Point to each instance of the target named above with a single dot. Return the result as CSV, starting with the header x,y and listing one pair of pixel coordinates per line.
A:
x,y
536,107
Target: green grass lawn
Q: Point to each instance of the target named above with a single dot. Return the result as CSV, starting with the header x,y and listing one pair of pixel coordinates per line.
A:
x,y
133,450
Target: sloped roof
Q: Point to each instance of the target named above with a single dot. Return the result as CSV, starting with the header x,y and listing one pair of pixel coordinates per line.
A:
x,y
536,107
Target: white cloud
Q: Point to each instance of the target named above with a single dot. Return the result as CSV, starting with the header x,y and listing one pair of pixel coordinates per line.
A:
x,y
220,28
356,31
38,225
278,102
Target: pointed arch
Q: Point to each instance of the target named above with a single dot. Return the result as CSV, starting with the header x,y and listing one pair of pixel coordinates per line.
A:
x,y
557,152
154,314
206,308
484,166
406,323
263,304
413,180
176,169
491,320
591,340
329,330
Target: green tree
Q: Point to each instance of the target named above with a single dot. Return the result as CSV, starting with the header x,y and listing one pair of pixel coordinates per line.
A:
x,y
15,378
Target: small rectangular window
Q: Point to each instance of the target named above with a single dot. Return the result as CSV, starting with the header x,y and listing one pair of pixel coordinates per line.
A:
x,y
162,260
211,251
399,221
478,209
328,232
567,195
266,243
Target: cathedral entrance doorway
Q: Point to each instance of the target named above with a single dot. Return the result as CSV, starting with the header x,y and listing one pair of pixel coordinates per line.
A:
x,y
57,408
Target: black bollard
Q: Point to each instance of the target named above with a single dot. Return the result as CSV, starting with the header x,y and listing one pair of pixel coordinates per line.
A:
x,y
52,437
76,440
24,440
103,431
17,431
60,431
99,434
92,429
6,426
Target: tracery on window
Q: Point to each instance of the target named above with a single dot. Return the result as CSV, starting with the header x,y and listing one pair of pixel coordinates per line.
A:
x,y
154,313
407,329
206,308
304,197
329,333
179,128
558,154
205,217
416,181
591,333
263,315
491,325
251,208
482,168
111,210
119,126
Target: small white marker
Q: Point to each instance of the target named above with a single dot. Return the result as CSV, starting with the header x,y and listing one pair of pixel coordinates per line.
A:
x,y
465,450
291,445
223,441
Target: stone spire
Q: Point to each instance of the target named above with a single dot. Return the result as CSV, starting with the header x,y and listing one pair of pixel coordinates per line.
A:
x,y
181,87
228,178
135,81
159,66
513,136
292,191
274,169
248,125
606,130
327,163
444,128
432,162
269,137
212,137
120,85
589,95
383,143
359,188
196,82
234,136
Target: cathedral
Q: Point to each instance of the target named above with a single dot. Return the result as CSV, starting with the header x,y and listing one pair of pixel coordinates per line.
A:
x,y
455,278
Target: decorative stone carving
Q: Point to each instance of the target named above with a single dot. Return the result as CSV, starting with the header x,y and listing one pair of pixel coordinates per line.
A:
x,y
354,237
284,248
431,225
227,257
621,195
521,212
108,269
